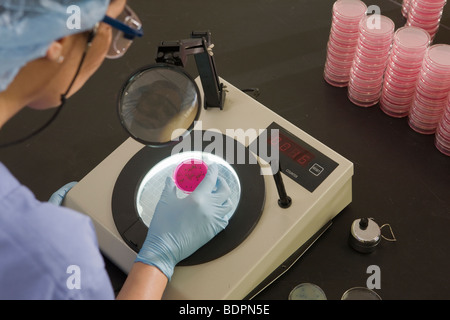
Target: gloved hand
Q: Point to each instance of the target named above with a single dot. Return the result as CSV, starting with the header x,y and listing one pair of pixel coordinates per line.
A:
x,y
181,226
58,197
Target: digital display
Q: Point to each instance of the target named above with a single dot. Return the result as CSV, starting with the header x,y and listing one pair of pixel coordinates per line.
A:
x,y
298,160
292,149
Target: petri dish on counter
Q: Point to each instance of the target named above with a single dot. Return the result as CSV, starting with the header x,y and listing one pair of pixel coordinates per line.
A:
x,y
360,293
307,291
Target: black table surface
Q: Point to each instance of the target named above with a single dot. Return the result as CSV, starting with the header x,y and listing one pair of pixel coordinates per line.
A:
x,y
279,47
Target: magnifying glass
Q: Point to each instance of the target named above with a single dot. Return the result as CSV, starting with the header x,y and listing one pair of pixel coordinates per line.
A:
x,y
159,105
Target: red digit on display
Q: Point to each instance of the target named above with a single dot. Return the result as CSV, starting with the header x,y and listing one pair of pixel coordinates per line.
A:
x,y
294,153
304,160
285,146
275,141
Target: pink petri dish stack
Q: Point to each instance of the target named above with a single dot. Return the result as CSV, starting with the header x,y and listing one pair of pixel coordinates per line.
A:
x,y
442,140
432,89
371,58
189,173
426,14
405,63
343,40
405,8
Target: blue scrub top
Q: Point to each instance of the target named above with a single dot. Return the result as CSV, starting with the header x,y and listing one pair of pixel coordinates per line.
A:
x,y
46,251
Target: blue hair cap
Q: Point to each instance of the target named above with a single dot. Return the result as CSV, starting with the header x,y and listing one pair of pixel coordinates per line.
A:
x,y
28,27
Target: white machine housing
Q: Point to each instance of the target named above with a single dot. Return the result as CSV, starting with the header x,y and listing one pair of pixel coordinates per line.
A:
x,y
278,234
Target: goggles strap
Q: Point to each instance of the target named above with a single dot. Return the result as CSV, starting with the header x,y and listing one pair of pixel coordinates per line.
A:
x,y
63,97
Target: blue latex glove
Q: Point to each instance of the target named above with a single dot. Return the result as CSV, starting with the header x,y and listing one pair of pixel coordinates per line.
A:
x,y
181,226
58,197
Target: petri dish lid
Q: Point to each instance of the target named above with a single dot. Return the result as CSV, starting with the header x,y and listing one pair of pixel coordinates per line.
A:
x,y
158,104
412,38
360,293
377,26
307,291
439,56
350,9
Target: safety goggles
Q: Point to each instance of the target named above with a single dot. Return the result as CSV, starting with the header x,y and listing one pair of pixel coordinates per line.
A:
x,y
126,27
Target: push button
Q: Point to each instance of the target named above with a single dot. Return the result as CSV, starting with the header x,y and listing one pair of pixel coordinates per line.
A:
x,y
316,169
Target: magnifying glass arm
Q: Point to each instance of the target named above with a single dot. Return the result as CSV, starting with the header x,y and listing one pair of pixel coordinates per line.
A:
x,y
212,88
177,52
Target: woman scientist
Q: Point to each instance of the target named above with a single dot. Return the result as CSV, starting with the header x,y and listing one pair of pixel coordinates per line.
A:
x,y
43,61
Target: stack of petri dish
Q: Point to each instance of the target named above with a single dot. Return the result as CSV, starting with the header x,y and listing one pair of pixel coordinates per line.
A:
x,y
405,63
426,14
432,90
371,58
343,40
405,8
442,140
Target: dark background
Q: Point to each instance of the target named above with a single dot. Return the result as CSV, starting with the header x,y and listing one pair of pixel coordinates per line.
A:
x,y
278,46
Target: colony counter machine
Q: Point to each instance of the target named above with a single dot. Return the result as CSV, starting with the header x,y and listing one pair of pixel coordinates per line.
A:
x,y
274,220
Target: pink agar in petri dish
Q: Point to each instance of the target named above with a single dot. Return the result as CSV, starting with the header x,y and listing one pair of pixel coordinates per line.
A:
x,y
189,173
